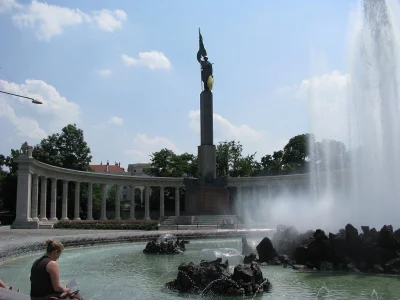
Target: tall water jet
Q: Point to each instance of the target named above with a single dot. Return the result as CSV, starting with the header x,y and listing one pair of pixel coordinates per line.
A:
x,y
372,176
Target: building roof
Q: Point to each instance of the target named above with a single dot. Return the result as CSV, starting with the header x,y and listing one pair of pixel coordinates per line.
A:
x,y
107,168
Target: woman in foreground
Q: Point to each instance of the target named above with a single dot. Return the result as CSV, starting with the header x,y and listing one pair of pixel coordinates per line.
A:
x,y
45,275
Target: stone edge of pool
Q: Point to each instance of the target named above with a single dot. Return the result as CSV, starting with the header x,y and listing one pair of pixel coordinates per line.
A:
x,y
25,244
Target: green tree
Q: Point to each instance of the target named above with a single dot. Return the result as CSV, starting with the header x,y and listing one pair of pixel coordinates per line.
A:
x,y
272,164
165,163
8,181
229,159
295,153
67,149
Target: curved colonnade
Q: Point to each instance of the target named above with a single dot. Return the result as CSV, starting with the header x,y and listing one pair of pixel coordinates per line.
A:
x,y
31,173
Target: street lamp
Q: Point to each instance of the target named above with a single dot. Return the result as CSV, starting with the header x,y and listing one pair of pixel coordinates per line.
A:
x,y
34,101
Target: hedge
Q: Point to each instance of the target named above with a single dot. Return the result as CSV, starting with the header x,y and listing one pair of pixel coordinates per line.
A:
x,y
108,224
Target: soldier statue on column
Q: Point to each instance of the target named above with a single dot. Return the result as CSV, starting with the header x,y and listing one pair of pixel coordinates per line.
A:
x,y
206,67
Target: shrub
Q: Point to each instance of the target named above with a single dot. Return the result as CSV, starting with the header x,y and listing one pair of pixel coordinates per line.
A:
x,y
108,224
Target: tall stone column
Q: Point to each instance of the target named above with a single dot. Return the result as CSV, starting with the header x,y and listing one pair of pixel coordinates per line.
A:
x,y
103,202
162,209
177,204
90,201
24,189
147,203
43,198
35,197
206,150
53,203
133,204
118,202
64,205
77,200
141,195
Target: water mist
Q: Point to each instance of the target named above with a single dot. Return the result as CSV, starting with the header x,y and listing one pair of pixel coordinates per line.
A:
x,y
361,185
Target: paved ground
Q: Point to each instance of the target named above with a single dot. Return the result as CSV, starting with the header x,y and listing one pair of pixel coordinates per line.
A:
x,y
15,242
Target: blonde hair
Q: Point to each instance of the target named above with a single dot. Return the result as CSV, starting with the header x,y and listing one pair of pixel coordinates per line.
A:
x,y
53,245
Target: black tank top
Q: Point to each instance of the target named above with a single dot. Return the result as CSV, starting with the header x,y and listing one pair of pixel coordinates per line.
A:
x,y
41,285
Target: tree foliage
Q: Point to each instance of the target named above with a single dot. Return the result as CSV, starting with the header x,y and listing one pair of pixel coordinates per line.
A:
x,y
297,156
165,163
8,181
67,149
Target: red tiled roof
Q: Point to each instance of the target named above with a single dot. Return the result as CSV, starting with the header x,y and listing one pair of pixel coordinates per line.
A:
x,y
103,168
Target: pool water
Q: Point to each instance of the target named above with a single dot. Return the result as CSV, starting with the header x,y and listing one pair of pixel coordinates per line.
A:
x,y
124,272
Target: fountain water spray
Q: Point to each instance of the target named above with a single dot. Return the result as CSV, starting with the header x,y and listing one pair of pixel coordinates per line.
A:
x,y
367,192
374,295
324,289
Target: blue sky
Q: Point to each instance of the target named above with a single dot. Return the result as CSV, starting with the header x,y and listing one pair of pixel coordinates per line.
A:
x,y
126,71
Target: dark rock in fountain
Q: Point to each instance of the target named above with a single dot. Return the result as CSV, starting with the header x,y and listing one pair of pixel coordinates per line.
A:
x,y
287,239
165,246
266,252
248,259
369,251
212,277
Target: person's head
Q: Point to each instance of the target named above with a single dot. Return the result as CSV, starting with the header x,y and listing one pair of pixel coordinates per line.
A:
x,y
206,58
54,249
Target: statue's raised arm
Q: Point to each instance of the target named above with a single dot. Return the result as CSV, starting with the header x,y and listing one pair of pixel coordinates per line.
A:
x,y
206,66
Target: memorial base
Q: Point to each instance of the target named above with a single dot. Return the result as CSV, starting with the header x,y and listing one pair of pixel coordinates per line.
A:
x,y
206,200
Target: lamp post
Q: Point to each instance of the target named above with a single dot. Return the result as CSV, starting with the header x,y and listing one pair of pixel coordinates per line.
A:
x,y
34,101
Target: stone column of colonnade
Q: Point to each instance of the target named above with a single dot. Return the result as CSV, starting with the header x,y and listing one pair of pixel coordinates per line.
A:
x,y
31,183
162,202
35,177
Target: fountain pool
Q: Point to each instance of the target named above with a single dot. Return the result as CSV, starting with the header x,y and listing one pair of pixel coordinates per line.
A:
x,y
125,272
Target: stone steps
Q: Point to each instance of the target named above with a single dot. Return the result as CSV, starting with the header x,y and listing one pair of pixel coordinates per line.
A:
x,y
170,220
212,220
215,219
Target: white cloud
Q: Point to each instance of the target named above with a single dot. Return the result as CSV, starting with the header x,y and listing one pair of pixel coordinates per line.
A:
x,y
108,20
48,20
6,5
116,121
24,126
252,140
105,72
34,121
143,146
327,96
152,60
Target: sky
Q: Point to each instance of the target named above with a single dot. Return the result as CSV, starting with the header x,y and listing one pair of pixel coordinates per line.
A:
x,y
126,72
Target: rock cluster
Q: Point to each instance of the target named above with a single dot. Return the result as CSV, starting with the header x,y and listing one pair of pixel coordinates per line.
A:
x,y
165,247
370,251
213,277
